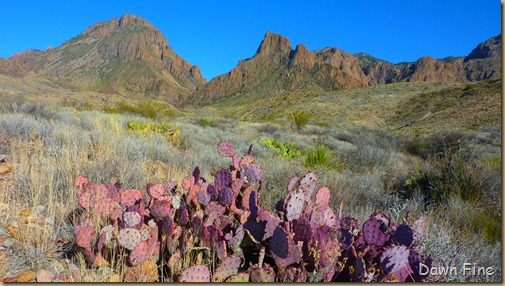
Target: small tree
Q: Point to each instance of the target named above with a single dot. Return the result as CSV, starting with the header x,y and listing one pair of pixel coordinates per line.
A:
x,y
301,119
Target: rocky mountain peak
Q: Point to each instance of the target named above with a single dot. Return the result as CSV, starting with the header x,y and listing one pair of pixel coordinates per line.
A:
x,y
488,49
274,44
302,57
129,20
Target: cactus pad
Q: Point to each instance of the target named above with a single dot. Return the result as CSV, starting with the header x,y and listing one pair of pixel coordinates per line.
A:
x,y
222,179
85,236
322,199
203,198
373,234
188,182
156,191
197,273
225,197
129,238
405,235
419,226
140,253
131,219
240,277
279,243
345,238
81,182
225,148
302,230
394,259
262,274
295,205
182,216
160,209
245,160
308,184
227,268
253,173
130,197
292,184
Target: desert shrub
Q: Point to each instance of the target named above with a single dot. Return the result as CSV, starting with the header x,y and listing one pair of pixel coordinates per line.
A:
x,y
287,150
267,128
489,225
206,121
154,110
318,156
300,118
171,134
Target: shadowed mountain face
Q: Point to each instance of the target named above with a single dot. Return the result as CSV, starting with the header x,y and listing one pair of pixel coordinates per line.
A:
x,y
121,55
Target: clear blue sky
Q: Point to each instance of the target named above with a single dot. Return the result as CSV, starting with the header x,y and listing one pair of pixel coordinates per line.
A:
x,y
216,34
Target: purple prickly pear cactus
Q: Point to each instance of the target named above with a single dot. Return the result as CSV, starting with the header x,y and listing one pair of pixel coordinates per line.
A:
x,y
85,236
345,238
292,184
225,197
84,223
157,191
253,173
308,184
129,238
326,217
203,198
264,273
293,256
167,225
225,148
116,213
253,205
380,217
141,253
236,186
322,199
85,200
302,230
272,222
293,274
211,190
160,209
197,273
279,243
405,235
250,150
394,259
105,237
375,232
419,226
294,205
81,182
196,175
188,182
171,187
130,197
227,268
131,219
214,207
182,216
245,160
104,207
222,179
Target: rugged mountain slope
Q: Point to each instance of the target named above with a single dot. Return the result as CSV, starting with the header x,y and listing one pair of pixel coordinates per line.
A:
x,y
484,62
121,55
19,64
277,67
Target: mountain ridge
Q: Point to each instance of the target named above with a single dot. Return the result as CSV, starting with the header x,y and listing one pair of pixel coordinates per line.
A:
x,y
129,55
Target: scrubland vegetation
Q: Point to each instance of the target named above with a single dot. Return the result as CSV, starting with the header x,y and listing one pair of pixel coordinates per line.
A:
x,y
451,177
